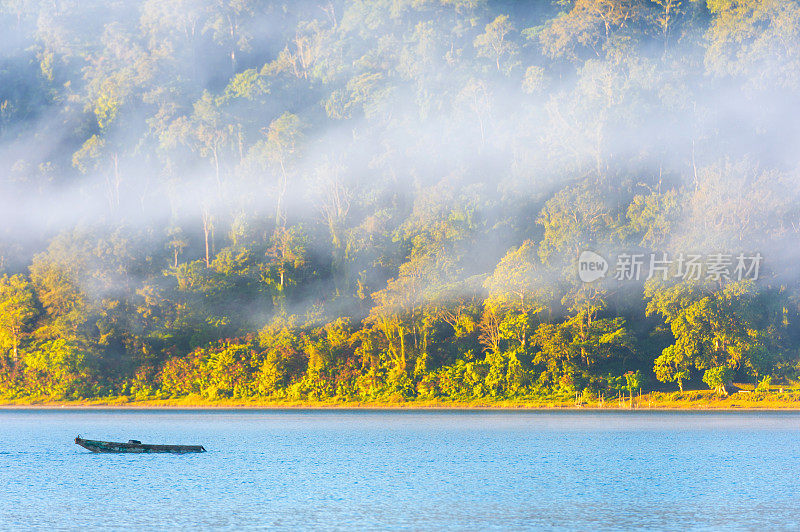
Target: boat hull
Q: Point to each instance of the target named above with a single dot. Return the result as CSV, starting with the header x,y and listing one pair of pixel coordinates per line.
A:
x,y
138,448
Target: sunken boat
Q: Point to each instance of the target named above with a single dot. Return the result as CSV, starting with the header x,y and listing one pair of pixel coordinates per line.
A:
x,y
135,446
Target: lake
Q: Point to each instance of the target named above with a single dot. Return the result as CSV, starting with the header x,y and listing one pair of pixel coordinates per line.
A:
x,y
412,470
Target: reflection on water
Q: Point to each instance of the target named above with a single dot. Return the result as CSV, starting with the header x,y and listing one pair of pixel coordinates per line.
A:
x,y
406,469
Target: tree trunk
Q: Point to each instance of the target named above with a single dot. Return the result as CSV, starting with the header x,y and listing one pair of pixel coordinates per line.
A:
x,y
206,231
215,153
279,217
402,348
208,262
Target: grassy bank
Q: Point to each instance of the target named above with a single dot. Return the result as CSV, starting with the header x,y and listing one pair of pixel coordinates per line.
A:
x,y
690,400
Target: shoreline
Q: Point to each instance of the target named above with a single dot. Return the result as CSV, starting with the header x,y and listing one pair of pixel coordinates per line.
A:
x,y
695,404
76,407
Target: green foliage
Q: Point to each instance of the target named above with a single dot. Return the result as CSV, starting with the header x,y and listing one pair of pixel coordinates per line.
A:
x,y
386,200
495,43
717,378
757,39
633,381
18,309
706,333
673,366
58,369
221,371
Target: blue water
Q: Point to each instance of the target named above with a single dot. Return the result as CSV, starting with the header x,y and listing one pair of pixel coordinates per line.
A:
x,y
297,469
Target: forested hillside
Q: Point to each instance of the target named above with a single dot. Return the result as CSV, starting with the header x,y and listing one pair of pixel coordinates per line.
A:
x,y
394,200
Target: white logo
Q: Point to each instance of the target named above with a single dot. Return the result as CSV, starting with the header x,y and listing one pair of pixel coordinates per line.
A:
x,y
591,266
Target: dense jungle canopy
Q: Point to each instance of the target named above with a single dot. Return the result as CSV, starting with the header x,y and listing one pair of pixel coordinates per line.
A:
x,y
388,200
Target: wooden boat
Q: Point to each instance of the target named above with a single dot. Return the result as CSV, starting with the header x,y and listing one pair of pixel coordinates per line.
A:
x,y
135,446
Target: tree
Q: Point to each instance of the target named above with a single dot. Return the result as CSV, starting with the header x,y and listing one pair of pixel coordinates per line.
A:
x,y
287,254
283,137
572,349
653,217
718,378
17,311
119,70
519,282
633,382
177,243
475,99
398,314
210,135
590,24
225,22
334,204
673,366
755,39
712,328
666,17
58,369
494,43
575,219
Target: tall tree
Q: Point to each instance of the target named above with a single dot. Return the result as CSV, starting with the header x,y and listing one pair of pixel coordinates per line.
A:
x,y
17,311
